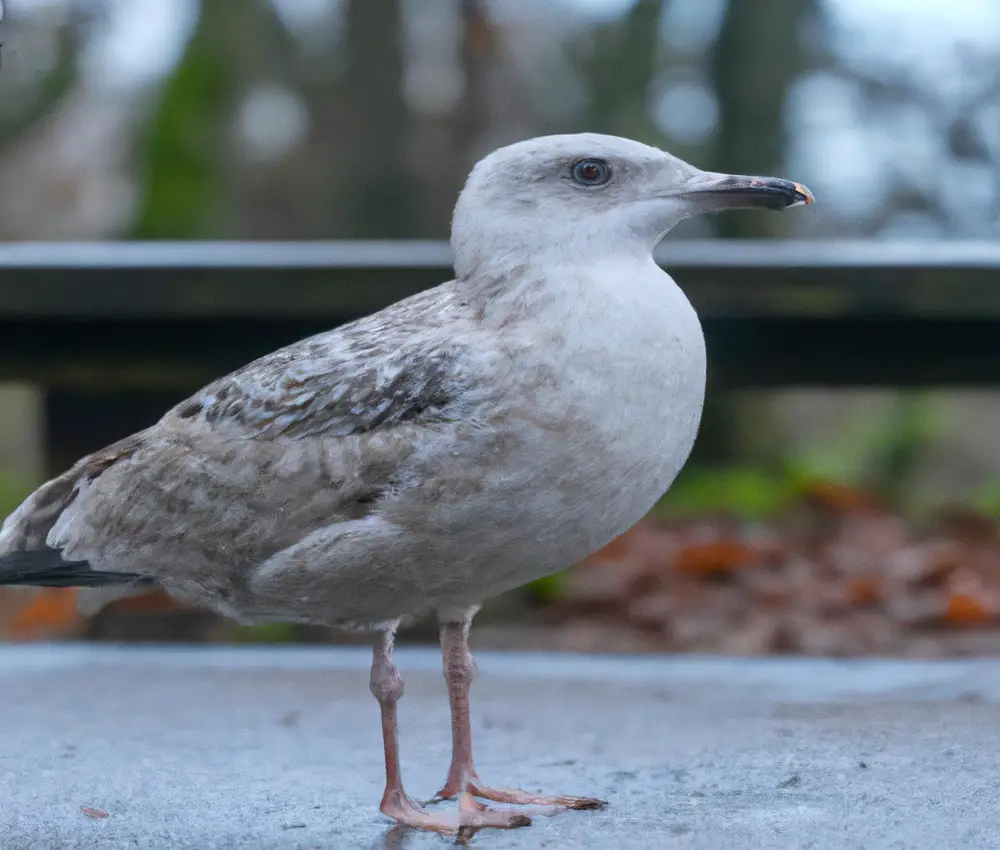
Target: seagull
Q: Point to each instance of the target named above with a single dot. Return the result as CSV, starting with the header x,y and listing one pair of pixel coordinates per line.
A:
x,y
499,427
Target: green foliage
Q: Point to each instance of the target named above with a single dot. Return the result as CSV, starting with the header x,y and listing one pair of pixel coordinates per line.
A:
x,y
15,487
743,491
879,451
183,187
547,588
986,498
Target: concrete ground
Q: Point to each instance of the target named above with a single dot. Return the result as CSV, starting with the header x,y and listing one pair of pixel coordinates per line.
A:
x,y
211,749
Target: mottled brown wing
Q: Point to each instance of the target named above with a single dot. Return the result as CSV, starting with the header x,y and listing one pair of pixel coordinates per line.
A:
x,y
384,370
308,397
392,369
28,526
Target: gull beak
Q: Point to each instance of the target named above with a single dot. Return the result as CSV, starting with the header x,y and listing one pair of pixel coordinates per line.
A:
x,y
715,192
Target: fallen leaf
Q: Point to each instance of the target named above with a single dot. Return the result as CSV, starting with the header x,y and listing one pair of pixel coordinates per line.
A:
x,y
94,813
863,591
839,499
966,610
719,557
52,612
149,602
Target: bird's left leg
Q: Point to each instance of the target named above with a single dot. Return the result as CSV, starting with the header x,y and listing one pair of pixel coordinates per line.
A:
x,y
387,687
459,671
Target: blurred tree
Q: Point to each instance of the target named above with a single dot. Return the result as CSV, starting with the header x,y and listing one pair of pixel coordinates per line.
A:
x,y
448,145
184,148
962,121
188,154
619,70
756,59
347,177
54,86
480,50
376,197
30,97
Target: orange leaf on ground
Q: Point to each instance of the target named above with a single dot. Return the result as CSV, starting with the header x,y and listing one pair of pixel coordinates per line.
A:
x,y
719,557
149,602
51,613
965,610
94,813
863,591
839,499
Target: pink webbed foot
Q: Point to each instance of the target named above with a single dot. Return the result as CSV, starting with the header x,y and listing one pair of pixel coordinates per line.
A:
x,y
470,817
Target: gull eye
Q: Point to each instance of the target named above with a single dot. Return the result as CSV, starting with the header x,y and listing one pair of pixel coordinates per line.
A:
x,y
591,172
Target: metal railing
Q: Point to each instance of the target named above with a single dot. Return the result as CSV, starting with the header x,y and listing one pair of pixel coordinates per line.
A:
x,y
113,333
127,315
245,279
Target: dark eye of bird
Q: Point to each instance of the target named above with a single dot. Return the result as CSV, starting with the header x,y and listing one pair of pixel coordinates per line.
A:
x,y
591,172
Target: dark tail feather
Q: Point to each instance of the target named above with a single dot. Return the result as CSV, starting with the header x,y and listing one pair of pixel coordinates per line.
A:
x,y
48,568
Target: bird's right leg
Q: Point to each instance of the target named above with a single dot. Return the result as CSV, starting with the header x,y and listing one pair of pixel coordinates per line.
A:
x,y
462,781
387,687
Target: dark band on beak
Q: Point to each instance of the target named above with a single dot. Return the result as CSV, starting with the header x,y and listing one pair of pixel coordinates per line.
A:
x,y
732,192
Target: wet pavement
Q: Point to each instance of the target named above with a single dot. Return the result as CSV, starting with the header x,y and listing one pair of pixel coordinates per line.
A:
x,y
259,748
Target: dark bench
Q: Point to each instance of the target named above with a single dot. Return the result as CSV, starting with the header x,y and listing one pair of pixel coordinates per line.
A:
x,y
114,333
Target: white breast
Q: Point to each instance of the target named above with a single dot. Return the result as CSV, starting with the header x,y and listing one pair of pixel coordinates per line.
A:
x,y
638,367
589,444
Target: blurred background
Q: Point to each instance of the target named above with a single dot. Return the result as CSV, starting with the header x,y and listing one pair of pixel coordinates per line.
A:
x,y
809,520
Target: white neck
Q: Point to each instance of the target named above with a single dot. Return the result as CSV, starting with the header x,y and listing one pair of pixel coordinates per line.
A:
x,y
488,244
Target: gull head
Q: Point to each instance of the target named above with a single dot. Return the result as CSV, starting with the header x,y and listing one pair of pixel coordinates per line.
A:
x,y
587,196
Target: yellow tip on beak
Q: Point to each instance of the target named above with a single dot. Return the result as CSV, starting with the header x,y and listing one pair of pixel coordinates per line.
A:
x,y
805,193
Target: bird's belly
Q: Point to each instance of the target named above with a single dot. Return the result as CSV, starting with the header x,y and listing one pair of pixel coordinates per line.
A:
x,y
500,510
551,495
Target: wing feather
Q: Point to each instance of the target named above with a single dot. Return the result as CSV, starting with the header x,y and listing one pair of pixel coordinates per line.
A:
x,y
331,420
382,370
